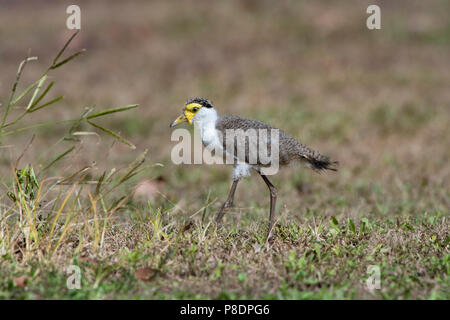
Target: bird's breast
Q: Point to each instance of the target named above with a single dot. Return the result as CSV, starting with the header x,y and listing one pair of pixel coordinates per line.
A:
x,y
210,137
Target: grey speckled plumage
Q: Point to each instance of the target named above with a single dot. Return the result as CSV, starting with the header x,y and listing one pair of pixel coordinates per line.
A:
x,y
290,150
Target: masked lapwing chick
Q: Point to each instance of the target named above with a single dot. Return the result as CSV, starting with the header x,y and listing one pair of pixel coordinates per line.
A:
x,y
249,145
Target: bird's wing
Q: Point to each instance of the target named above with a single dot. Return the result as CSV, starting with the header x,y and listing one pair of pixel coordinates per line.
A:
x,y
233,122
243,139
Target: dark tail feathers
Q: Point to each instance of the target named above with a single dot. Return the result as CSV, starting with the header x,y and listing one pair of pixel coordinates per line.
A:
x,y
322,163
316,161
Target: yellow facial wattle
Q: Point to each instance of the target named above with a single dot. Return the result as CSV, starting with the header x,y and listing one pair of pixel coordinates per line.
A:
x,y
188,114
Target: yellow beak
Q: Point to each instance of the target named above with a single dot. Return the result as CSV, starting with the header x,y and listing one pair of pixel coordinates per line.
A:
x,y
186,116
178,120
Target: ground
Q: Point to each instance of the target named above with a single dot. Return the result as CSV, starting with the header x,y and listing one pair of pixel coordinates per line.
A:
x,y
376,101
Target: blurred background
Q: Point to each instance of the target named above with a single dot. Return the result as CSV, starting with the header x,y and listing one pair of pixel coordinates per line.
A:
x,y
378,101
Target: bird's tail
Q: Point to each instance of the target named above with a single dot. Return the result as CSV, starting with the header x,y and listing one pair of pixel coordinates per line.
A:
x,y
315,160
321,163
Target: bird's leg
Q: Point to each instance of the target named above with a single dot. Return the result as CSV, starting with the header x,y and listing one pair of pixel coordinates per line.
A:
x,y
229,203
273,199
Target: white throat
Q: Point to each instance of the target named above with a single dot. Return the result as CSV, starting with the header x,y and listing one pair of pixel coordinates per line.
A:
x,y
205,121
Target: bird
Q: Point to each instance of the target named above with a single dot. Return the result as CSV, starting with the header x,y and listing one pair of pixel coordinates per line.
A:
x,y
215,134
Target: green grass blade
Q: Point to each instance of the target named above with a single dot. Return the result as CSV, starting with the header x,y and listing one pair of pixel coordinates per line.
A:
x,y
113,134
335,224
46,104
36,91
43,94
59,157
109,111
24,94
38,125
65,47
67,59
13,91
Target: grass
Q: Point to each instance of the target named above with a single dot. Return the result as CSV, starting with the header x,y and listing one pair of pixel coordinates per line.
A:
x,y
74,193
311,259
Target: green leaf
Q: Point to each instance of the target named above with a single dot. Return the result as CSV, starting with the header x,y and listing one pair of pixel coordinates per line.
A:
x,y
59,157
38,125
352,225
113,134
242,277
43,94
46,104
12,196
13,91
362,227
334,223
23,94
36,91
109,111
65,47
67,59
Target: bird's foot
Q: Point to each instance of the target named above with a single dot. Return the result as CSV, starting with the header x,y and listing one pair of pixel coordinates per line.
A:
x,y
270,239
270,236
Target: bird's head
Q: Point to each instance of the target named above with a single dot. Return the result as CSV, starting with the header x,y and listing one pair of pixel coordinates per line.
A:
x,y
196,108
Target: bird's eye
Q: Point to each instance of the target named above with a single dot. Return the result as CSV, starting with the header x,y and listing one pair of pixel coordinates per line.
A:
x,y
195,109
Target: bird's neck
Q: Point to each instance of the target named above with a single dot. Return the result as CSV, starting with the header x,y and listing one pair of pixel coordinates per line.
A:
x,y
206,124
206,121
